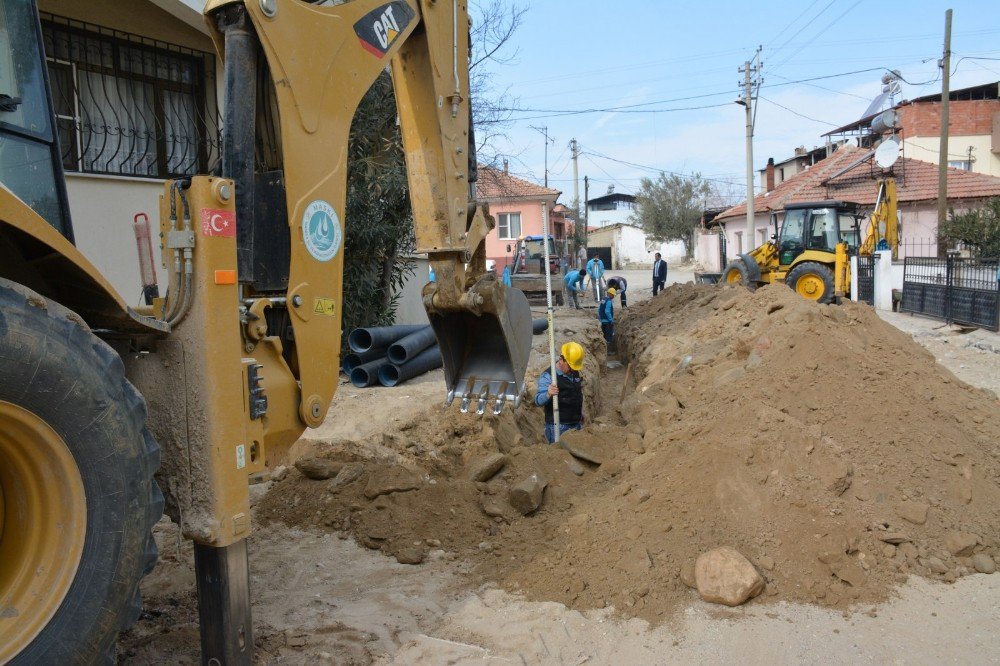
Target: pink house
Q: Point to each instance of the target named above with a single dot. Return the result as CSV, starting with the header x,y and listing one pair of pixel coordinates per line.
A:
x,y
516,204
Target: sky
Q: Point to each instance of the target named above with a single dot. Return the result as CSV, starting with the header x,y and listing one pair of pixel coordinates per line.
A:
x,y
658,57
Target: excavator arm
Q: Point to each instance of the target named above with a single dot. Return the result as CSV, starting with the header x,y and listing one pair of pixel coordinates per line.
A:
x,y
883,227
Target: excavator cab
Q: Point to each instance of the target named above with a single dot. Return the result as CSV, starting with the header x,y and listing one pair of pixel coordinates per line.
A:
x,y
818,226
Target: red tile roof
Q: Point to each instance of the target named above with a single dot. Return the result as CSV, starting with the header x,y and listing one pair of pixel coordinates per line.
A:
x,y
496,185
915,181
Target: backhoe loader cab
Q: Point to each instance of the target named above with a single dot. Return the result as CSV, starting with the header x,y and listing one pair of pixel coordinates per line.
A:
x,y
809,253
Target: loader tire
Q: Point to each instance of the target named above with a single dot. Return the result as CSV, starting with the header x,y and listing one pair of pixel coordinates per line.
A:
x,y
77,464
736,272
812,280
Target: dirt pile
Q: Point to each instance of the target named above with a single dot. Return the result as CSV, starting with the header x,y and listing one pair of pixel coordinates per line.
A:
x,y
823,444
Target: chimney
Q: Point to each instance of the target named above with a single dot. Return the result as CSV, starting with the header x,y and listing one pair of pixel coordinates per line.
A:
x,y
770,174
506,167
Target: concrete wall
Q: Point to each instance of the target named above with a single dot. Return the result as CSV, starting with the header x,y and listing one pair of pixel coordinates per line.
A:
x,y
706,252
410,309
630,248
102,209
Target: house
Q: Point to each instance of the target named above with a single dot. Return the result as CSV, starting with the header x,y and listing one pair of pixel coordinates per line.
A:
x,y
134,90
612,208
973,125
516,205
850,175
776,173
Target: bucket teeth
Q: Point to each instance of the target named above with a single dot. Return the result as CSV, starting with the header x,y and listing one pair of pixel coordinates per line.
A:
x,y
483,396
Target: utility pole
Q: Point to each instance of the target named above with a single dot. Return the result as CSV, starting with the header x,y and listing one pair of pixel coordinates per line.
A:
x,y
751,77
576,175
945,92
544,131
586,211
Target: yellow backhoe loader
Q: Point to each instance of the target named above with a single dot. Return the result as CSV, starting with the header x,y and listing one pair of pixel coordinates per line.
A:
x,y
214,381
811,254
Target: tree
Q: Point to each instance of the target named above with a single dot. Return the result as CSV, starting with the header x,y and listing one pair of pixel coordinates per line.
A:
x,y
669,207
977,229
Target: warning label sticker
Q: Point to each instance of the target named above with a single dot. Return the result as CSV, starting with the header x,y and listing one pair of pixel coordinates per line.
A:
x,y
325,306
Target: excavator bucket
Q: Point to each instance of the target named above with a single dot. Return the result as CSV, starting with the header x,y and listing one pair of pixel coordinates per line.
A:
x,y
485,342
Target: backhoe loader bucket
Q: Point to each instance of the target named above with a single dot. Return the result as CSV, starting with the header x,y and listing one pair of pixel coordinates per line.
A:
x,y
485,343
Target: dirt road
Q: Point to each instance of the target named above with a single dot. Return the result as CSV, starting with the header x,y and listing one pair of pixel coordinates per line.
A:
x,y
321,598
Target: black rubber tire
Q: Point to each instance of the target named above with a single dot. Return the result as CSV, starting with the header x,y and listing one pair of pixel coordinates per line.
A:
x,y
52,365
815,268
740,268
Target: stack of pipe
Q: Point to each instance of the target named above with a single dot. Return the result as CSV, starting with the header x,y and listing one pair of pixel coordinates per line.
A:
x,y
390,355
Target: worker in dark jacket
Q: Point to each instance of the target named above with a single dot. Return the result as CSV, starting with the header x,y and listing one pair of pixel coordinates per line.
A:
x,y
606,315
620,285
659,274
569,388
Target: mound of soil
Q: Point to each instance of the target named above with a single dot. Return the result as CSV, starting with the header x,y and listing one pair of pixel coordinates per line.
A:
x,y
822,443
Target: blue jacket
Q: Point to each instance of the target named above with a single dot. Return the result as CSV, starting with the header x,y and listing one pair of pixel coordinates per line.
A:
x,y
574,280
595,268
606,310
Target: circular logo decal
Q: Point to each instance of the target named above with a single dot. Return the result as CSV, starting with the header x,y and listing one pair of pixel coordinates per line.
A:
x,y
321,230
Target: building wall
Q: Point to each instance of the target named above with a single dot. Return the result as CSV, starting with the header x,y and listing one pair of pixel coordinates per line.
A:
x,y
136,16
630,247
928,149
604,218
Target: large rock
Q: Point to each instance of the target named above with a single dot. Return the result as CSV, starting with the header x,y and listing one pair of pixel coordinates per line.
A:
x,y
983,563
526,495
960,544
913,512
394,479
318,469
725,576
485,468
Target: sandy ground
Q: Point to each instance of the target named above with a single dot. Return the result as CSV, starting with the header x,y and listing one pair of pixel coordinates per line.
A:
x,y
324,599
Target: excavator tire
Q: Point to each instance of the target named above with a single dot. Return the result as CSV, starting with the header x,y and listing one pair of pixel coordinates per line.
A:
x,y
77,495
812,280
736,272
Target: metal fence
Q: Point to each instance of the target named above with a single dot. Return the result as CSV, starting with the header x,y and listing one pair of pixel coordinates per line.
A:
x,y
954,289
866,278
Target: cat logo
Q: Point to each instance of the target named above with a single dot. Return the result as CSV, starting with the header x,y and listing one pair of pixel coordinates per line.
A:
x,y
380,28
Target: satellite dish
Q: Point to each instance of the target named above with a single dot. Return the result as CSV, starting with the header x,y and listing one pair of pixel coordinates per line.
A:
x,y
887,153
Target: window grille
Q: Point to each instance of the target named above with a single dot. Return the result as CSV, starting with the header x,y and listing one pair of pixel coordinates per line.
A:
x,y
127,105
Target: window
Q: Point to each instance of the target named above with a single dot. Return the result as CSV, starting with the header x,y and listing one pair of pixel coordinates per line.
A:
x,y
965,165
126,105
509,225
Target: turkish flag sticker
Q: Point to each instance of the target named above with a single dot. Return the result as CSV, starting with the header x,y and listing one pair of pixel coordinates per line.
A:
x,y
218,222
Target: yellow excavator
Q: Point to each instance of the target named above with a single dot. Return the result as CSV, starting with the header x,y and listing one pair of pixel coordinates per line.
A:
x,y
214,381
811,253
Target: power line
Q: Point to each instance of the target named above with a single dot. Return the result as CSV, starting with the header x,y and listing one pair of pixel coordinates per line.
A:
x,y
800,115
657,170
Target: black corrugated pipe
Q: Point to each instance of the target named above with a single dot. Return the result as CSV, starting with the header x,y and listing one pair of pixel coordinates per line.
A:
x,y
363,339
406,349
353,360
366,374
425,361
540,325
